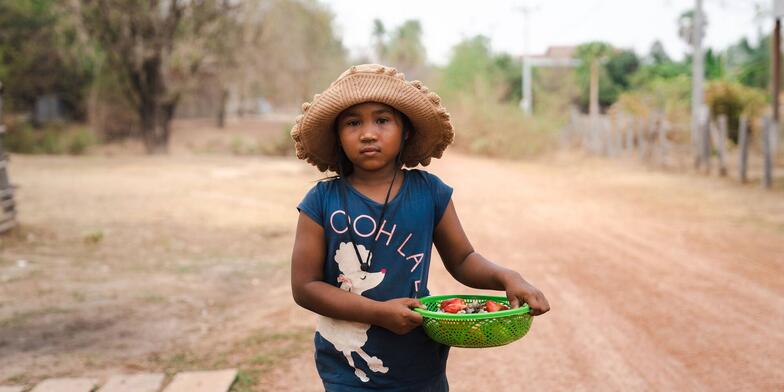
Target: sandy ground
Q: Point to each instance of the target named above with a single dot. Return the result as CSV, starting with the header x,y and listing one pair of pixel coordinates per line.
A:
x,y
657,281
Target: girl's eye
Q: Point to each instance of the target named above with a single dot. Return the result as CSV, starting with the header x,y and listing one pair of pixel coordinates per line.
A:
x,y
352,123
382,120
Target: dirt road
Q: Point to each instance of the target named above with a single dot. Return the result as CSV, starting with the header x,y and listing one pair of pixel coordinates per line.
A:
x,y
657,281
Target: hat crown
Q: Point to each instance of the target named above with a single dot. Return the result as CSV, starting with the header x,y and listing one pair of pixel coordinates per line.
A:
x,y
370,68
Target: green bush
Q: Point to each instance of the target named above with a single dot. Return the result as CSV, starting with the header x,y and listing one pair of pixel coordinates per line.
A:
x,y
50,142
283,145
53,139
488,127
733,100
80,141
671,96
20,139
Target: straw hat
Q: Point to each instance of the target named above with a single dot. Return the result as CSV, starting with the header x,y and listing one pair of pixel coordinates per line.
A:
x,y
314,136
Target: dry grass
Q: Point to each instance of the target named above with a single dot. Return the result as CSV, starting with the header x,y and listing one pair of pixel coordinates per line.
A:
x,y
489,128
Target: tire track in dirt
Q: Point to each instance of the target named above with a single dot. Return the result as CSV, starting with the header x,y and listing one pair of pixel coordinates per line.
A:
x,y
646,294
656,281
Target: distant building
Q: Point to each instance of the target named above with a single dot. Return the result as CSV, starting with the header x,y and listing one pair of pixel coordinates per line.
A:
x,y
560,52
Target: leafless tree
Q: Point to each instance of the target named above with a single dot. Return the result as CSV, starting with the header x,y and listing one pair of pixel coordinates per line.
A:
x,y
157,47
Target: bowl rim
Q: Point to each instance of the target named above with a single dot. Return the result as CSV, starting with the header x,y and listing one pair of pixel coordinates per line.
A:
x,y
470,316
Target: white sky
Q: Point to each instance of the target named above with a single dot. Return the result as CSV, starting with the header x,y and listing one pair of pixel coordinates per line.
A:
x,y
624,23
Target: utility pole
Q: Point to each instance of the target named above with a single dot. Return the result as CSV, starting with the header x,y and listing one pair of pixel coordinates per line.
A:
x,y
776,52
526,103
593,103
699,136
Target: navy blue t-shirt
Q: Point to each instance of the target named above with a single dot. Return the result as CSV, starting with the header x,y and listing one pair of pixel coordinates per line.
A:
x,y
353,356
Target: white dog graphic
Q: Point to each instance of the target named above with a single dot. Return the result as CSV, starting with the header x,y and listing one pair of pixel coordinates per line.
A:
x,y
349,336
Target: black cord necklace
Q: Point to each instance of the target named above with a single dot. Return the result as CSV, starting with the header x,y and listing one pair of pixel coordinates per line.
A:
x,y
365,264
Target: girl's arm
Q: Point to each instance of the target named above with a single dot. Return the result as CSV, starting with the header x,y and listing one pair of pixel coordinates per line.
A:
x,y
312,293
473,270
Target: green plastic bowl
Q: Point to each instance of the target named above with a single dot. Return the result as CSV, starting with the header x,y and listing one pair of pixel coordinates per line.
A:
x,y
475,330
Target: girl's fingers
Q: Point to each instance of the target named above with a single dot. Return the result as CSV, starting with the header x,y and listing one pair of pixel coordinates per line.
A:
x,y
539,305
415,303
513,301
416,318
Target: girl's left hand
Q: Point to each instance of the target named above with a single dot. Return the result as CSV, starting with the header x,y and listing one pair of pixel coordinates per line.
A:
x,y
518,290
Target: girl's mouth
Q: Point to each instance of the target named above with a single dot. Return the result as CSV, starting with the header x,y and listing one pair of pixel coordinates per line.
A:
x,y
369,151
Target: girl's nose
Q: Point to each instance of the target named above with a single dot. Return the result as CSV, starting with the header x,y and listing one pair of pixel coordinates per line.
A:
x,y
367,134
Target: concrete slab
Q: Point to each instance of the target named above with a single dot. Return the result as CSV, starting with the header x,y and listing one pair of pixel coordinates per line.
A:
x,y
66,385
209,381
141,382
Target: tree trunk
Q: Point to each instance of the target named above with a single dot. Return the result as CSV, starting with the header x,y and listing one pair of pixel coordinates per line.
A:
x,y
593,105
222,109
156,107
156,120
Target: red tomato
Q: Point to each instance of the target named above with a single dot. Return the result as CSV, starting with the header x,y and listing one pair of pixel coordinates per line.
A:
x,y
453,305
452,301
453,308
493,306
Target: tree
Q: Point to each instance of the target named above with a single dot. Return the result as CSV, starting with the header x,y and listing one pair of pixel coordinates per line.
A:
x,y
405,50
620,65
379,45
40,53
471,61
157,46
686,26
714,65
474,69
597,88
657,55
291,50
749,63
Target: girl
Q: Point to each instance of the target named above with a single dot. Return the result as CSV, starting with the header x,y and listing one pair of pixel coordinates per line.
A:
x,y
362,249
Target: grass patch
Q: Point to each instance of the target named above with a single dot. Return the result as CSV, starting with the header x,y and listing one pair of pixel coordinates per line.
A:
x,y
247,380
254,356
54,138
283,145
93,238
152,298
491,128
20,318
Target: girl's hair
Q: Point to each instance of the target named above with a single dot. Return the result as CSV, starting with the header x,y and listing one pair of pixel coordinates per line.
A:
x,y
345,165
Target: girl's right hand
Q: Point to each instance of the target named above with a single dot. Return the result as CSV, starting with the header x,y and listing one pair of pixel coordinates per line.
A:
x,y
396,315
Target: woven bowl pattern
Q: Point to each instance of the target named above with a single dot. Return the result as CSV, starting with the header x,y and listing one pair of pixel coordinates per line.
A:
x,y
476,330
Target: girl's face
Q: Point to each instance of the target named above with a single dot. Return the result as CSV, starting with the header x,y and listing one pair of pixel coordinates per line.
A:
x,y
370,134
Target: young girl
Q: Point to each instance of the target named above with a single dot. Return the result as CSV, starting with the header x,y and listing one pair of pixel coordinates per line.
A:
x,y
362,249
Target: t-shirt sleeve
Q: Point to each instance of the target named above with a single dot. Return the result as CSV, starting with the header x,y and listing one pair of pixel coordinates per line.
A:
x,y
312,206
442,193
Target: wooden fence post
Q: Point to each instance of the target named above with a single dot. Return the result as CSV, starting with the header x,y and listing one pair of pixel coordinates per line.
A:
x,y
7,204
628,126
767,152
640,137
609,136
612,128
702,157
649,129
705,143
721,138
664,147
743,146
618,137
